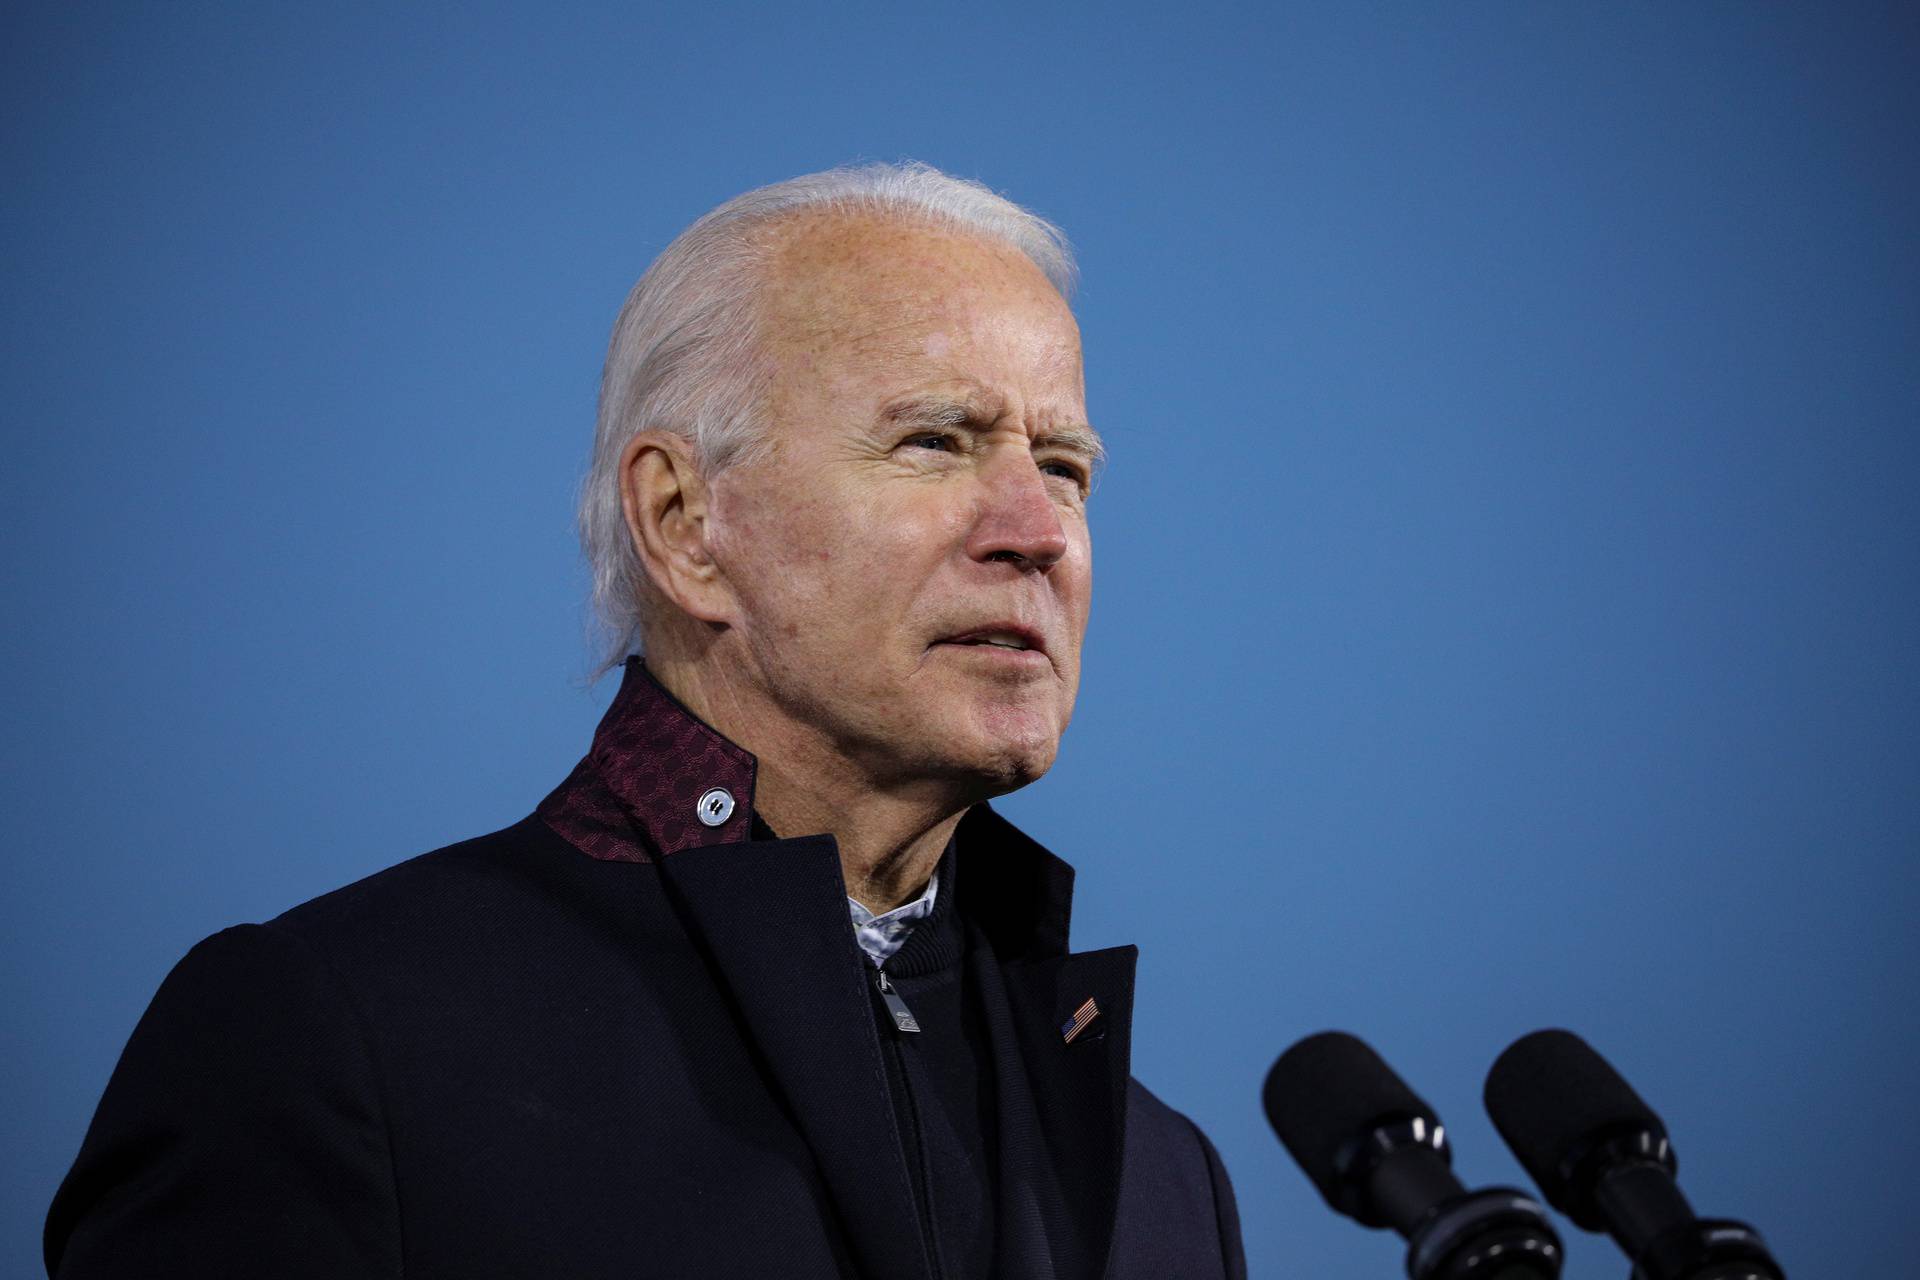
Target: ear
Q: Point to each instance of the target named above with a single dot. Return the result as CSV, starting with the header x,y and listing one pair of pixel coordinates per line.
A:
x,y
664,497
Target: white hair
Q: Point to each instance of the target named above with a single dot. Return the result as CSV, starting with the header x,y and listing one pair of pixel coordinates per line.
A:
x,y
684,359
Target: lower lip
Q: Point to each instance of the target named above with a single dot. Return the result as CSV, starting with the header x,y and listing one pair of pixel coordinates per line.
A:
x,y
998,654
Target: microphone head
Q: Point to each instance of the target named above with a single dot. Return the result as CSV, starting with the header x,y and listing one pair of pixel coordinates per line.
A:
x,y
1569,1116
1325,1097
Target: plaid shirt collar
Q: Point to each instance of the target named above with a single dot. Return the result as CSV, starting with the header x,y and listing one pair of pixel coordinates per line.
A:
x,y
883,935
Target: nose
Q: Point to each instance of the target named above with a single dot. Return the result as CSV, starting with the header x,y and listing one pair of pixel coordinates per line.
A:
x,y
1018,519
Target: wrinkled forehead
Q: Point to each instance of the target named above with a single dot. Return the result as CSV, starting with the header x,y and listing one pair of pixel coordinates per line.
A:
x,y
855,286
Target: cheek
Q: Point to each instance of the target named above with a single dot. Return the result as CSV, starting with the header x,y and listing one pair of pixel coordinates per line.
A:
x,y
812,566
1076,585
771,554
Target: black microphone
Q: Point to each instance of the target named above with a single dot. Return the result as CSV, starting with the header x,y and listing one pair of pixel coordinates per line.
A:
x,y
1601,1157
1379,1155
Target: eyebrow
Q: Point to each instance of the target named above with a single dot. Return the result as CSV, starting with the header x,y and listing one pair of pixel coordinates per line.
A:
x,y
929,413
1078,437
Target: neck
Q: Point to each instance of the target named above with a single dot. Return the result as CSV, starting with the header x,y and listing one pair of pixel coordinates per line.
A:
x,y
889,847
890,837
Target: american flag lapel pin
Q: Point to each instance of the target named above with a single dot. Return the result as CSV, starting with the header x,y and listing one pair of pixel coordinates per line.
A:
x,y
1082,1019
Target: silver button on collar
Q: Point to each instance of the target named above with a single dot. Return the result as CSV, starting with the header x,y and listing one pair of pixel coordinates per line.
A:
x,y
715,807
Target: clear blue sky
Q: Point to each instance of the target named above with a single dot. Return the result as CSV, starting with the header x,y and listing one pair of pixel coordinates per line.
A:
x,y
1509,568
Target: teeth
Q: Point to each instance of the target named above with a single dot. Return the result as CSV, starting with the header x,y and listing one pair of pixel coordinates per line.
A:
x,y
1003,639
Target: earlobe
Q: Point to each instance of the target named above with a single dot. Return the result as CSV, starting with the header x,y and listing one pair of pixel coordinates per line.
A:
x,y
664,498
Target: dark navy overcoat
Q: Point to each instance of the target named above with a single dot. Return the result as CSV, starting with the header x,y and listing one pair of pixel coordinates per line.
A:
x,y
614,1041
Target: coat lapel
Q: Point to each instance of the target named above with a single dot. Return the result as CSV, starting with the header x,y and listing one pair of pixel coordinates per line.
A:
x,y
773,917
1062,1107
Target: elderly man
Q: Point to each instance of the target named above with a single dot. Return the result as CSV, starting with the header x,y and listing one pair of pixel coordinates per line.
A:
x,y
839,503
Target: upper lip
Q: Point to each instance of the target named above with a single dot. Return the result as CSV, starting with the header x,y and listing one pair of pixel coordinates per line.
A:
x,y
1025,636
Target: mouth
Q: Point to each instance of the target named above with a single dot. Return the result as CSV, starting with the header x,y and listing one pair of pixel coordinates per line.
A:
x,y
1000,637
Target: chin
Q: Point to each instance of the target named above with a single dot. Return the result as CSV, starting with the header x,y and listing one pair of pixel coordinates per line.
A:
x,y
1008,752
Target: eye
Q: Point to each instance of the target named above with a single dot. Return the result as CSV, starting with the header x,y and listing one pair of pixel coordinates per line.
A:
x,y
936,440
1056,468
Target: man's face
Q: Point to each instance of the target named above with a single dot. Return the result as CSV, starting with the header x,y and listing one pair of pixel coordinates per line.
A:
x,y
910,562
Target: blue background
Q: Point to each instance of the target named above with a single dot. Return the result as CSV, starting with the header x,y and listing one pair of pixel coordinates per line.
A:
x,y
1507,603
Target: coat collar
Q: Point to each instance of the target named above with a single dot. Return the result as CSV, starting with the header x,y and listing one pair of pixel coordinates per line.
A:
x,y
635,798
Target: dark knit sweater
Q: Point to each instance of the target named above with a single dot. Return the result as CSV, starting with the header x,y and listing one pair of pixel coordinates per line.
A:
x,y
941,1082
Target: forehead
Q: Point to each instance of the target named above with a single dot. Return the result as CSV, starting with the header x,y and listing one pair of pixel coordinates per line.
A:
x,y
861,289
